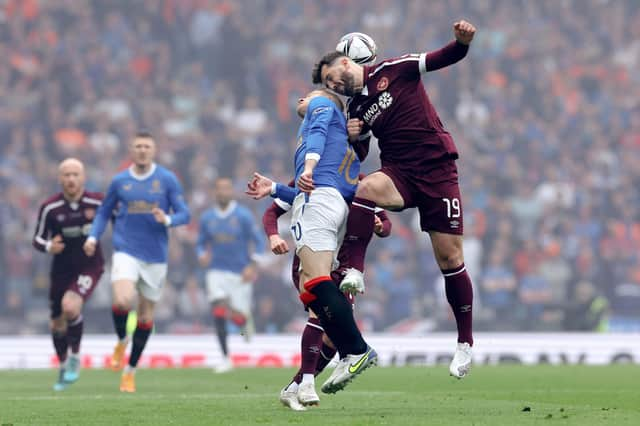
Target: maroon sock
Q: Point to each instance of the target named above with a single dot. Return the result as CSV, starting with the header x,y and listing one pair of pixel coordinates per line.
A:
x,y
120,316
309,348
359,231
60,344
326,355
460,296
74,334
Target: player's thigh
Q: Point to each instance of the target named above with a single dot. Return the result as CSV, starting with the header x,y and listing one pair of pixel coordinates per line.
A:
x,y
146,309
79,291
152,279
240,297
125,273
442,216
380,188
219,283
314,264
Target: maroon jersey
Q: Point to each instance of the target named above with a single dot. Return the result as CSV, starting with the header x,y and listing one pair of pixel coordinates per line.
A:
x,y
72,221
395,107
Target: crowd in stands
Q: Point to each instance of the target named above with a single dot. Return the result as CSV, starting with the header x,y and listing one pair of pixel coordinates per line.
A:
x,y
545,111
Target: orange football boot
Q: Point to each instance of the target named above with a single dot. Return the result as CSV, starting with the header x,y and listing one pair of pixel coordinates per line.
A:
x,y
128,383
117,359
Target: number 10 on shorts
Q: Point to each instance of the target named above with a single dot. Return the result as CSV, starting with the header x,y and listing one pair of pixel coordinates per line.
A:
x,y
453,207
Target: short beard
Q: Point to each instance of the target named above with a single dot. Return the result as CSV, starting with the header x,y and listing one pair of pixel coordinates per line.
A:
x,y
349,84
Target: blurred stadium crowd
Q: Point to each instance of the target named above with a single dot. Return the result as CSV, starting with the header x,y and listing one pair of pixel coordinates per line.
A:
x,y
545,111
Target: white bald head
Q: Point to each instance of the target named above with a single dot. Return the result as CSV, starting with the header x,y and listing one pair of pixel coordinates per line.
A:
x,y
71,177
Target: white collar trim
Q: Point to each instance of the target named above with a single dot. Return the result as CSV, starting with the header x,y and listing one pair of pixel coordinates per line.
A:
x,y
152,169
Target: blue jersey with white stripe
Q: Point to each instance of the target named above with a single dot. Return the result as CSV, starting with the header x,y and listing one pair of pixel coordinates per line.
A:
x,y
323,135
130,199
229,235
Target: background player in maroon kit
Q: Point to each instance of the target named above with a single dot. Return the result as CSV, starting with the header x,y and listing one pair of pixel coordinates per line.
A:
x,y
418,163
315,347
63,224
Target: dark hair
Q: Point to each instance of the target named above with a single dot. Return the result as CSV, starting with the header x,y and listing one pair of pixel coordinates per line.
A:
x,y
145,134
335,98
328,59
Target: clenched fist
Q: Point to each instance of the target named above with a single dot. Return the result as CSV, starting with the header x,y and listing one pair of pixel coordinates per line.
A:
x,y
463,31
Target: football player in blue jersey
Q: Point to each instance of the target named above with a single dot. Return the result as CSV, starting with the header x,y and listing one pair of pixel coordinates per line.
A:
x,y
228,236
326,177
145,200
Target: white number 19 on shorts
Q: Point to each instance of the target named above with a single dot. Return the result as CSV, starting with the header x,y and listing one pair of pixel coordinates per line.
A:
x,y
453,207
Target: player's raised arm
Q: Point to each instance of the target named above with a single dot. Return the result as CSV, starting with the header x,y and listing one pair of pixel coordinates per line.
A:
x,y
181,214
453,52
319,112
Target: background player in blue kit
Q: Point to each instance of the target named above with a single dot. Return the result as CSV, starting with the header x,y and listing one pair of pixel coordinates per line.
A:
x,y
228,236
141,198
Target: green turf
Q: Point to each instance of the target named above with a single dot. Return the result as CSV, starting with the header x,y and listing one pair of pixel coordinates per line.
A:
x,y
566,395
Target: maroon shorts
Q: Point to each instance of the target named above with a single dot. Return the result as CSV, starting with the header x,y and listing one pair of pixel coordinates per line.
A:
x,y
432,188
82,283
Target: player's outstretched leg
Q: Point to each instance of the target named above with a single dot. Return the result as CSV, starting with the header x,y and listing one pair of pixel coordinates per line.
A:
x,y
336,315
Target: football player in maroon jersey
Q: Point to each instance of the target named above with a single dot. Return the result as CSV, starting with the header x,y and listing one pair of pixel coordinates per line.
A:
x,y
63,224
418,156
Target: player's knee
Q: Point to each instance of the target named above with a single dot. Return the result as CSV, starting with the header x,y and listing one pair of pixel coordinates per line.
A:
x,y
450,260
123,301
450,257
366,188
70,310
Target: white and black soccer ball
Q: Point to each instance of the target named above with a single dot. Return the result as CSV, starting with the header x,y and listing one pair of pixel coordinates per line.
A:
x,y
359,47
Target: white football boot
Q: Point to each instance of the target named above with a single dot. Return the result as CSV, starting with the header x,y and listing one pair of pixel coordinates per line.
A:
x,y
307,394
290,399
353,281
224,366
348,368
461,362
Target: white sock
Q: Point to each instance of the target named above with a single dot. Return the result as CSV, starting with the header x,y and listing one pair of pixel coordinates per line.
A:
x,y
293,387
308,378
129,369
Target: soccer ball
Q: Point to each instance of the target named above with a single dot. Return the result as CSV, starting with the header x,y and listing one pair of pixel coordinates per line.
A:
x,y
359,47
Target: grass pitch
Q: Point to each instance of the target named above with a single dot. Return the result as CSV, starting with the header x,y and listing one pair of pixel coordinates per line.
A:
x,y
504,395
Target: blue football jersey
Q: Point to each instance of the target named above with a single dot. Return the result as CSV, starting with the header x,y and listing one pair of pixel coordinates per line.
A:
x,y
230,235
323,135
129,200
